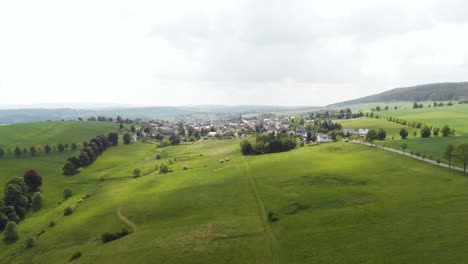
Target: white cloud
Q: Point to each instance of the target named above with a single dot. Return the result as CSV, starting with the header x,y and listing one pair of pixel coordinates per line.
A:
x,y
226,52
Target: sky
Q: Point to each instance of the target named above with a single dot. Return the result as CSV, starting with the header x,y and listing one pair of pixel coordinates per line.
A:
x,y
262,52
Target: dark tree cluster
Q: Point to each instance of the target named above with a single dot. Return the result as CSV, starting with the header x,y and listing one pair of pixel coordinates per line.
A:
x,y
20,194
91,150
268,143
108,236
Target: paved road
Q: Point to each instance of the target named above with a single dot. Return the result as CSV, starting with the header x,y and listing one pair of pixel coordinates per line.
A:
x,y
411,156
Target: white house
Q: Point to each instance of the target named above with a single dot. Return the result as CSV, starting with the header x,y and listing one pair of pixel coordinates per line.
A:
x,y
363,132
323,138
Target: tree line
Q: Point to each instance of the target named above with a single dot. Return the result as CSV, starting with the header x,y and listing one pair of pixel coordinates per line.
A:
x,y
268,143
36,151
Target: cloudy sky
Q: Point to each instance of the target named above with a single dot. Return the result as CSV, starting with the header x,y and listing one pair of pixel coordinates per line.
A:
x,y
264,52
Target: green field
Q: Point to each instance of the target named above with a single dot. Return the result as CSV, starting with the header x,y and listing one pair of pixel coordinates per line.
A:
x,y
42,133
392,129
337,203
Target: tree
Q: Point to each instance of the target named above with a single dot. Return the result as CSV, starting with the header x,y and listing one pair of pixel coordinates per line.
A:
x,y
11,233
133,129
371,136
2,153
425,132
30,242
33,180
16,195
127,138
246,147
37,201
74,146
67,193
403,133
163,169
69,169
67,211
32,151
84,159
461,154
113,138
75,161
448,153
47,149
404,147
446,131
136,173
381,134
18,152
309,136
60,147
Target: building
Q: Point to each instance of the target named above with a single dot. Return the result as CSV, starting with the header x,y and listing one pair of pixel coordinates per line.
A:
x,y
323,138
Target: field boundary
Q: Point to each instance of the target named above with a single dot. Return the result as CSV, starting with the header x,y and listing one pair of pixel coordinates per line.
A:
x,y
273,240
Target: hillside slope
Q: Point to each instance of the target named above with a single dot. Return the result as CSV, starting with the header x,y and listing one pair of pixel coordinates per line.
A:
x,y
425,92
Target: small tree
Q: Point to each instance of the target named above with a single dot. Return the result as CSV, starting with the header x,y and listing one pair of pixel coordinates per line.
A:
x,y
113,138
461,154
127,138
30,242
67,193
163,169
448,153
404,147
75,256
18,152
33,180
47,149
425,132
74,146
33,151
371,136
37,201
136,173
446,131
11,233
403,133
246,147
69,169
68,211
60,147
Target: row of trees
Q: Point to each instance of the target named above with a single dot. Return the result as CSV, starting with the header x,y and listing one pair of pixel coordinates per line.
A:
x,y
91,150
20,195
35,151
459,153
268,143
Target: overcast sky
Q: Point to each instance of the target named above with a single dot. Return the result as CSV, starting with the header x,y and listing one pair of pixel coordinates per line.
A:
x,y
226,52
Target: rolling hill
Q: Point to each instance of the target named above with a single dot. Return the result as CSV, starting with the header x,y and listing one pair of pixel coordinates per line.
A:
x,y
425,92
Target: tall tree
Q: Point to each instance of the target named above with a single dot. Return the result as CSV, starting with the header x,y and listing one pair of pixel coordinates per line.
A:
x,y
47,149
18,152
448,153
403,133
60,147
461,154
113,138
33,180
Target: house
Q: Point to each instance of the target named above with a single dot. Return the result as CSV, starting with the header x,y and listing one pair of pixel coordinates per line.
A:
x,y
323,138
363,132
300,131
349,131
212,134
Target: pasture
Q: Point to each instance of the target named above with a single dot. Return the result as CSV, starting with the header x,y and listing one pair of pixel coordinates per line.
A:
x,y
336,203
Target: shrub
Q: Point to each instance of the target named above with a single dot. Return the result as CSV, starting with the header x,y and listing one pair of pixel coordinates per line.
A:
x,y
37,201
272,217
68,211
418,154
67,193
438,160
221,161
51,224
185,167
158,156
170,161
163,169
201,155
75,256
108,237
227,159
33,180
69,169
136,173
29,242
11,234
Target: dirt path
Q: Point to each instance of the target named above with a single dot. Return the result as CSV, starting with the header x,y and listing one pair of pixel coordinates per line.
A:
x,y
187,148
263,214
125,219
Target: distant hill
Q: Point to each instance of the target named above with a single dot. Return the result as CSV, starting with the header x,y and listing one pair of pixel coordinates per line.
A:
x,y
426,92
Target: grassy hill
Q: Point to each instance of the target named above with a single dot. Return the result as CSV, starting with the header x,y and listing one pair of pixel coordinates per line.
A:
x,y
336,203
426,92
42,133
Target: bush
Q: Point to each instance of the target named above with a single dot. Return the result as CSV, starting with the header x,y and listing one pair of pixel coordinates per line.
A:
x,y
68,211
136,173
201,155
29,242
227,159
11,233
51,224
438,161
158,156
75,256
163,169
108,237
185,167
67,193
221,161
272,217
37,201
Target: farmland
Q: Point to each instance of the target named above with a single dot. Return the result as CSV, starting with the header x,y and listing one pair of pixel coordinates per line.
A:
x,y
329,199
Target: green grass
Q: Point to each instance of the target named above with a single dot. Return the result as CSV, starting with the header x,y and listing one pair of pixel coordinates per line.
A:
x,y
52,133
337,203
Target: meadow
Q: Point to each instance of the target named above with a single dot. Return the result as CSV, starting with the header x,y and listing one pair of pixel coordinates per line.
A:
x,y
336,203
52,133
392,129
